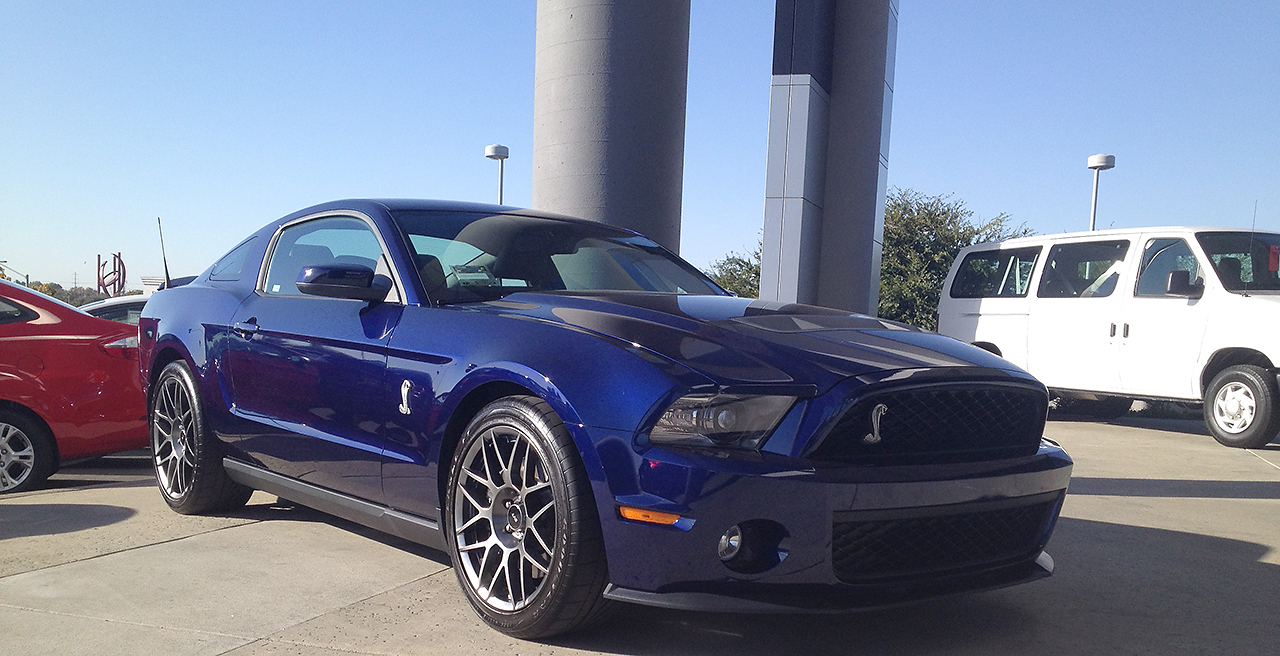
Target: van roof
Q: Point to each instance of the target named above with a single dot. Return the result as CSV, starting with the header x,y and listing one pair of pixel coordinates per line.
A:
x,y
1182,230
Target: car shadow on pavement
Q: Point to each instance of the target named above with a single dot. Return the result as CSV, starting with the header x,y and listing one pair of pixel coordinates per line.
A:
x,y
1117,589
1184,426
20,520
1175,488
283,510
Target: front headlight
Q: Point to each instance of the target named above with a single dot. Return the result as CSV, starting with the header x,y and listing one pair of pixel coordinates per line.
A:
x,y
720,420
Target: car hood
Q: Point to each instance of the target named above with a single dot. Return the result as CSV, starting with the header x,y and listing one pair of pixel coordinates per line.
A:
x,y
739,342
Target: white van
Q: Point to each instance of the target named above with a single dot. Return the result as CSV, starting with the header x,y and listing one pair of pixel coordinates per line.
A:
x,y
1183,314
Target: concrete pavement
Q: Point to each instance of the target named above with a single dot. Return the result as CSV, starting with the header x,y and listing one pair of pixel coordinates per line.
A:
x,y
1169,544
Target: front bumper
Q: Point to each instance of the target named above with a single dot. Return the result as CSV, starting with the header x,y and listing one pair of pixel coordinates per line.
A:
x,y
849,538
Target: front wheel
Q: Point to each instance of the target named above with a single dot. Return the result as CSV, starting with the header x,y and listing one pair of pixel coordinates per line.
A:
x,y
186,454
1242,407
27,455
523,530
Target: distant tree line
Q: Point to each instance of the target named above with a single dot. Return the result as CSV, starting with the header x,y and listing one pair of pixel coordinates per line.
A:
x,y
922,235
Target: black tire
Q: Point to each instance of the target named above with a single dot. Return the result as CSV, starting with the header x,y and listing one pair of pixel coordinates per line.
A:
x,y
1242,407
543,518
27,453
186,455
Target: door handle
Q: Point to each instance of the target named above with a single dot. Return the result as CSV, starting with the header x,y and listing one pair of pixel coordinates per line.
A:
x,y
1113,330
1126,331
246,328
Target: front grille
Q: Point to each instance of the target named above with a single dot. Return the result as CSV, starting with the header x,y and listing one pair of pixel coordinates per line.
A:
x,y
878,546
931,425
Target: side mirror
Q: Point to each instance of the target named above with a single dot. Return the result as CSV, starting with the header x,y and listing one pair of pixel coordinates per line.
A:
x,y
344,281
1179,284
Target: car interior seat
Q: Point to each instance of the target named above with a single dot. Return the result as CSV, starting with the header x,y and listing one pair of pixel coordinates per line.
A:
x,y
1229,271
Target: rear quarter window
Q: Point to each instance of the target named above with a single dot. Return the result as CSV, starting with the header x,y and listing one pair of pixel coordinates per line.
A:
x,y
231,266
13,313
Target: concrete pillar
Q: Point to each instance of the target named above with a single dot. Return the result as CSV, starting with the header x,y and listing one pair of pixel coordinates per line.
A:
x,y
610,81
829,109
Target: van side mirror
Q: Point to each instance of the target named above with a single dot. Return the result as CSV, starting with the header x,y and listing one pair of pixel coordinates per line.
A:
x,y
1179,284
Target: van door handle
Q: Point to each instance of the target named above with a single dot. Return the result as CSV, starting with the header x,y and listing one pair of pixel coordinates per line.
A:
x,y
1126,331
1113,330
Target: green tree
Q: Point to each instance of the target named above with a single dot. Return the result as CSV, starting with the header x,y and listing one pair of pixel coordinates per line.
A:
x,y
739,273
76,296
922,235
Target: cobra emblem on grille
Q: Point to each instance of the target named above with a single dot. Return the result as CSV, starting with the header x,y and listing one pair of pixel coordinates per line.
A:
x,y
876,413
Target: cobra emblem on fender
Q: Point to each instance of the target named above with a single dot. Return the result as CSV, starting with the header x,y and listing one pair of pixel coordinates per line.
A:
x,y
876,413
404,396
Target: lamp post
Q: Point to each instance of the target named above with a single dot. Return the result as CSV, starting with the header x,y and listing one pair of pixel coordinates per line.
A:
x,y
1098,163
500,153
4,264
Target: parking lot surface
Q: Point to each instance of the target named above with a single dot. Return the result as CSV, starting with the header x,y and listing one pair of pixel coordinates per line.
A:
x,y
1168,544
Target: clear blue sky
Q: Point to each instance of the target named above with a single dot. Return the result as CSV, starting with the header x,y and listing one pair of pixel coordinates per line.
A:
x,y
220,117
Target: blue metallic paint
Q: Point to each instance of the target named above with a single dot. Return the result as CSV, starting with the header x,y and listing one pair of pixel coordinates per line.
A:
x,y
608,364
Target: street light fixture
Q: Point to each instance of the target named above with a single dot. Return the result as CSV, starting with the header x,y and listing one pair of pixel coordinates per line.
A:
x,y
500,153
1098,163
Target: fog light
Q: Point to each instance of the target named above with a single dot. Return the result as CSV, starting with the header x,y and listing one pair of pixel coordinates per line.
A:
x,y
730,543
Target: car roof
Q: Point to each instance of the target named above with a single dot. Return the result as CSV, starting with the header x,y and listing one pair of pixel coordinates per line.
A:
x,y
116,300
1116,232
374,205
15,291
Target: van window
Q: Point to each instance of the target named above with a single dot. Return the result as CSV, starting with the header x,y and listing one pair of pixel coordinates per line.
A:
x,y
1082,270
1244,261
986,274
1159,258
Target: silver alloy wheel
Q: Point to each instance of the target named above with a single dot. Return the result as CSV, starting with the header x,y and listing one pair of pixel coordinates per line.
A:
x,y
504,518
172,434
17,456
1234,407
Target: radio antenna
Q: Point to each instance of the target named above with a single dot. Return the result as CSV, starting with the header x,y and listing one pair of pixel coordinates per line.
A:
x,y
163,258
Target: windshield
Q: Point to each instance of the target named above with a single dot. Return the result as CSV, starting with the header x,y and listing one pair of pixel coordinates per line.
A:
x,y
1244,261
465,256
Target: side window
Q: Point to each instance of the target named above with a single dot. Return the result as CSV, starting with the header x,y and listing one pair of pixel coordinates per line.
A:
x,y
1082,270
987,274
1159,258
12,313
231,266
337,240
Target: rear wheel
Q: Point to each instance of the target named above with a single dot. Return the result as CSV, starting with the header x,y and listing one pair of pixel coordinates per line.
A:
x,y
187,457
1241,407
27,454
524,532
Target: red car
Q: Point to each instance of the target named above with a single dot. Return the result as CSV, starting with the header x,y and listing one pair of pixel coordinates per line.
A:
x,y
69,387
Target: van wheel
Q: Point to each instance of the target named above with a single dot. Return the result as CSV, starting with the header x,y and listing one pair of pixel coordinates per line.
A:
x,y
1240,407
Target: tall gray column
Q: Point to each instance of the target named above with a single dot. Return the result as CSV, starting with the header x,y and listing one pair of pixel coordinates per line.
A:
x,y
829,109
610,82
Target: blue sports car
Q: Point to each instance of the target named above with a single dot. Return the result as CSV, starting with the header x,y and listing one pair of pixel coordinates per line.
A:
x,y
579,417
